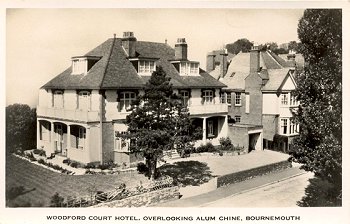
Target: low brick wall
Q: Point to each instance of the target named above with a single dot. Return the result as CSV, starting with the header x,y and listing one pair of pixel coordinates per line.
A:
x,y
248,174
163,195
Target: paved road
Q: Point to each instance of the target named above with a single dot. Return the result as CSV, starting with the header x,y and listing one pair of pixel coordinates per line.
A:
x,y
280,194
279,181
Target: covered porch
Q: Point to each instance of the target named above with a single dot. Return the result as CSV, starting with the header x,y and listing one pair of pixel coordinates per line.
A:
x,y
213,128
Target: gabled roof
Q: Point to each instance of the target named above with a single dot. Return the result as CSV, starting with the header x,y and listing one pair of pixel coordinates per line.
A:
x,y
273,70
276,79
115,71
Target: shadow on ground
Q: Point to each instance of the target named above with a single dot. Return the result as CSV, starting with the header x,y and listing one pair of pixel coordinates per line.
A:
x,y
187,173
320,193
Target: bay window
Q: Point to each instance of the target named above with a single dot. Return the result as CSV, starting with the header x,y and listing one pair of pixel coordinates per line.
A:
x,y
126,99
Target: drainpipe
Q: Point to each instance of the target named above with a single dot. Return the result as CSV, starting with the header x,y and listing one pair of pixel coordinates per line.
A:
x,y
101,131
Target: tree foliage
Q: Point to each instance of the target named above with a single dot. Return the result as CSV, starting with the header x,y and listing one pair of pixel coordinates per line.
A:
x,y
158,121
20,127
319,90
243,45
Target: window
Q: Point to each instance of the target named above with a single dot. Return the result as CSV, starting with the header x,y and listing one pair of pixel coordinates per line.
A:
x,y
238,119
146,67
223,97
284,125
247,103
208,96
126,99
185,97
293,127
79,66
58,99
84,100
293,100
284,99
120,144
189,68
194,68
82,137
238,100
210,128
228,98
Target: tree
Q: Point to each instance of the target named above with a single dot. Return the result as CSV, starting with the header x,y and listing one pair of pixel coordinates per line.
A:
x,y
295,46
158,122
20,127
319,90
243,45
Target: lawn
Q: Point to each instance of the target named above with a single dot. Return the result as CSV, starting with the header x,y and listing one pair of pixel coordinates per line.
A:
x,y
40,184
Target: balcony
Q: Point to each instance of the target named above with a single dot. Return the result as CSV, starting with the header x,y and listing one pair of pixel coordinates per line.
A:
x,y
74,115
208,109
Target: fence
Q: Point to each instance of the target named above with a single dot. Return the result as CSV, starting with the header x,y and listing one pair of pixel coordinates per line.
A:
x,y
119,193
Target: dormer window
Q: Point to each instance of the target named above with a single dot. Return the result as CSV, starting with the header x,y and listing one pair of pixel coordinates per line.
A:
x,y
82,64
146,67
189,68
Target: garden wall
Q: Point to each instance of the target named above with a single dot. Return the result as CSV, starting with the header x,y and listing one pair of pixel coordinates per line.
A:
x,y
248,174
145,199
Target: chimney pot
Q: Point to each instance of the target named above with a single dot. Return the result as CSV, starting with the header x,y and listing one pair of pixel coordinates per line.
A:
x,y
181,49
129,43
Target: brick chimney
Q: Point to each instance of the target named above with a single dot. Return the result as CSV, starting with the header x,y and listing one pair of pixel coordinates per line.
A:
x,y
129,43
255,59
181,49
291,55
210,61
223,63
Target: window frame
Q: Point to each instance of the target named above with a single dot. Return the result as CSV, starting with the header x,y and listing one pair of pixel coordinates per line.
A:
x,y
238,99
238,119
58,102
208,97
81,138
185,98
146,67
88,99
123,100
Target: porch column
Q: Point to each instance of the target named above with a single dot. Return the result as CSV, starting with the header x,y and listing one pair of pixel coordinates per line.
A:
x,y
225,127
87,143
68,139
52,136
204,129
38,129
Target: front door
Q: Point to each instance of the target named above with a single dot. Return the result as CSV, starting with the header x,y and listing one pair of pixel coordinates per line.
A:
x,y
59,138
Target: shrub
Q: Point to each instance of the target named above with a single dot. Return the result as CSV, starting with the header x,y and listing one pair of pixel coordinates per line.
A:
x,y
142,168
206,148
67,161
221,153
226,144
39,152
56,200
91,165
74,164
41,161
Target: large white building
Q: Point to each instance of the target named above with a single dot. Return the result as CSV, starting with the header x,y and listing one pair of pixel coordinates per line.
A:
x,y
82,109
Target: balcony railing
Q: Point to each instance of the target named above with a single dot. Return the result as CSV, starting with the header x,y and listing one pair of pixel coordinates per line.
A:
x,y
75,115
208,109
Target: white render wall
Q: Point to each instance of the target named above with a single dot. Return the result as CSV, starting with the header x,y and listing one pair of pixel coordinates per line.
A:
x,y
70,99
95,100
271,103
288,85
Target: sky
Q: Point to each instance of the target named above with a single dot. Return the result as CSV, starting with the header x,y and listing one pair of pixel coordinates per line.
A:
x,y
41,42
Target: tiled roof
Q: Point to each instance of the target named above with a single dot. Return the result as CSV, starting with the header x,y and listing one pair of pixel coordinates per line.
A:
x,y
276,77
274,70
115,71
299,60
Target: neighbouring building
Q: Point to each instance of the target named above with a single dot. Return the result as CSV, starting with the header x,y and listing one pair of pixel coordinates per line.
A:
x,y
259,95
82,110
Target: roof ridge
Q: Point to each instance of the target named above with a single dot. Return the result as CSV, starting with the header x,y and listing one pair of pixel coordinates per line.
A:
x,y
269,53
108,60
